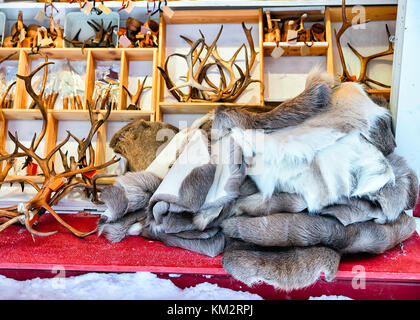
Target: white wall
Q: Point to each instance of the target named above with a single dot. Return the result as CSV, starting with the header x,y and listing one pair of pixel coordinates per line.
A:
x,y
405,99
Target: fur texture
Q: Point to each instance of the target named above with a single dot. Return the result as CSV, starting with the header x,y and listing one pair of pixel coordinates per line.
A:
x,y
327,151
140,141
289,251
302,158
130,192
283,268
302,229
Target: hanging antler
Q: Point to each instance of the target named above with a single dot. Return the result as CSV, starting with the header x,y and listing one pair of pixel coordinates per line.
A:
x,y
364,61
363,77
55,185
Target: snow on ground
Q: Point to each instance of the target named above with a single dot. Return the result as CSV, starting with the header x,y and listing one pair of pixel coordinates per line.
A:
x,y
324,297
418,225
114,286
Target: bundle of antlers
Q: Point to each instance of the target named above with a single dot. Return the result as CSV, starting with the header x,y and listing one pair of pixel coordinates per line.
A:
x,y
80,173
364,61
200,87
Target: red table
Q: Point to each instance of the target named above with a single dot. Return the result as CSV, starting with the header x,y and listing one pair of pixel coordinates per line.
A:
x,y
392,275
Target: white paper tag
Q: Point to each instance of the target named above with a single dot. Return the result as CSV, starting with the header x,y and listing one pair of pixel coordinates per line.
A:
x,y
87,8
145,30
124,41
130,6
40,16
305,50
104,9
22,35
277,52
291,36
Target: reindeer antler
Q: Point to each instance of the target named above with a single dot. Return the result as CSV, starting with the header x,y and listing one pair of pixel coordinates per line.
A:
x,y
364,61
227,90
55,185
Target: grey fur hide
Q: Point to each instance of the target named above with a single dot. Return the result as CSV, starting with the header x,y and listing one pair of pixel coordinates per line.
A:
x,y
330,185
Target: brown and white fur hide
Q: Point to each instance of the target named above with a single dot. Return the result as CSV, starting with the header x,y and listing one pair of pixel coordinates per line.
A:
x,y
290,250
329,156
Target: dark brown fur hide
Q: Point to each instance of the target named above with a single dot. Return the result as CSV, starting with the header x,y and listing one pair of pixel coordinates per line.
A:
x,y
139,142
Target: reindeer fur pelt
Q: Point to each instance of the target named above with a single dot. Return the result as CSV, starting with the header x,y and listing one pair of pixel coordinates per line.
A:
x,y
322,182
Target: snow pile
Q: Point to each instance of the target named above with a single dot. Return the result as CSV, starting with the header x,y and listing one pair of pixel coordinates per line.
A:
x,y
114,286
324,297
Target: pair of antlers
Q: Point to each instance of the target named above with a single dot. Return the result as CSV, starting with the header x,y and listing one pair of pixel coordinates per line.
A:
x,y
200,87
364,60
80,173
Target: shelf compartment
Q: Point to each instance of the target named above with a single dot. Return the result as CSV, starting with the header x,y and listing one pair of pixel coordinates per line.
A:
x,y
209,17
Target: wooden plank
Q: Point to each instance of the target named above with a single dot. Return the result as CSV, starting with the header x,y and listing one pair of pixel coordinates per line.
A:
x,y
100,154
213,16
107,53
160,90
155,79
116,115
295,49
124,70
328,38
384,93
22,114
3,132
140,54
40,179
24,68
51,135
62,53
373,13
261,53
89,79
203,107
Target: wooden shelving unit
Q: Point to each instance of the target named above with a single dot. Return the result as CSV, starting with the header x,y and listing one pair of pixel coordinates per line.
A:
x,y
21,99
157,56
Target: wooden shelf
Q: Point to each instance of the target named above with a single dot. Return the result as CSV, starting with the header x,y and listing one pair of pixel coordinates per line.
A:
x,y
373,13
22,114
386,93
197,107
77,115
212,16
295,49
40,179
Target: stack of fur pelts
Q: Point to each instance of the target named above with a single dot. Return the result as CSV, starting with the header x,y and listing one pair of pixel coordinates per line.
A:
x,y
313,179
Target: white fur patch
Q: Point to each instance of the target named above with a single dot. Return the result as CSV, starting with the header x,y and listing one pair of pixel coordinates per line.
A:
x,y
135,229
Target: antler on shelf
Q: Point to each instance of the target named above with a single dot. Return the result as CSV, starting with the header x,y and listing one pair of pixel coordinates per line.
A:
x,y
200,87
364,61
135,98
